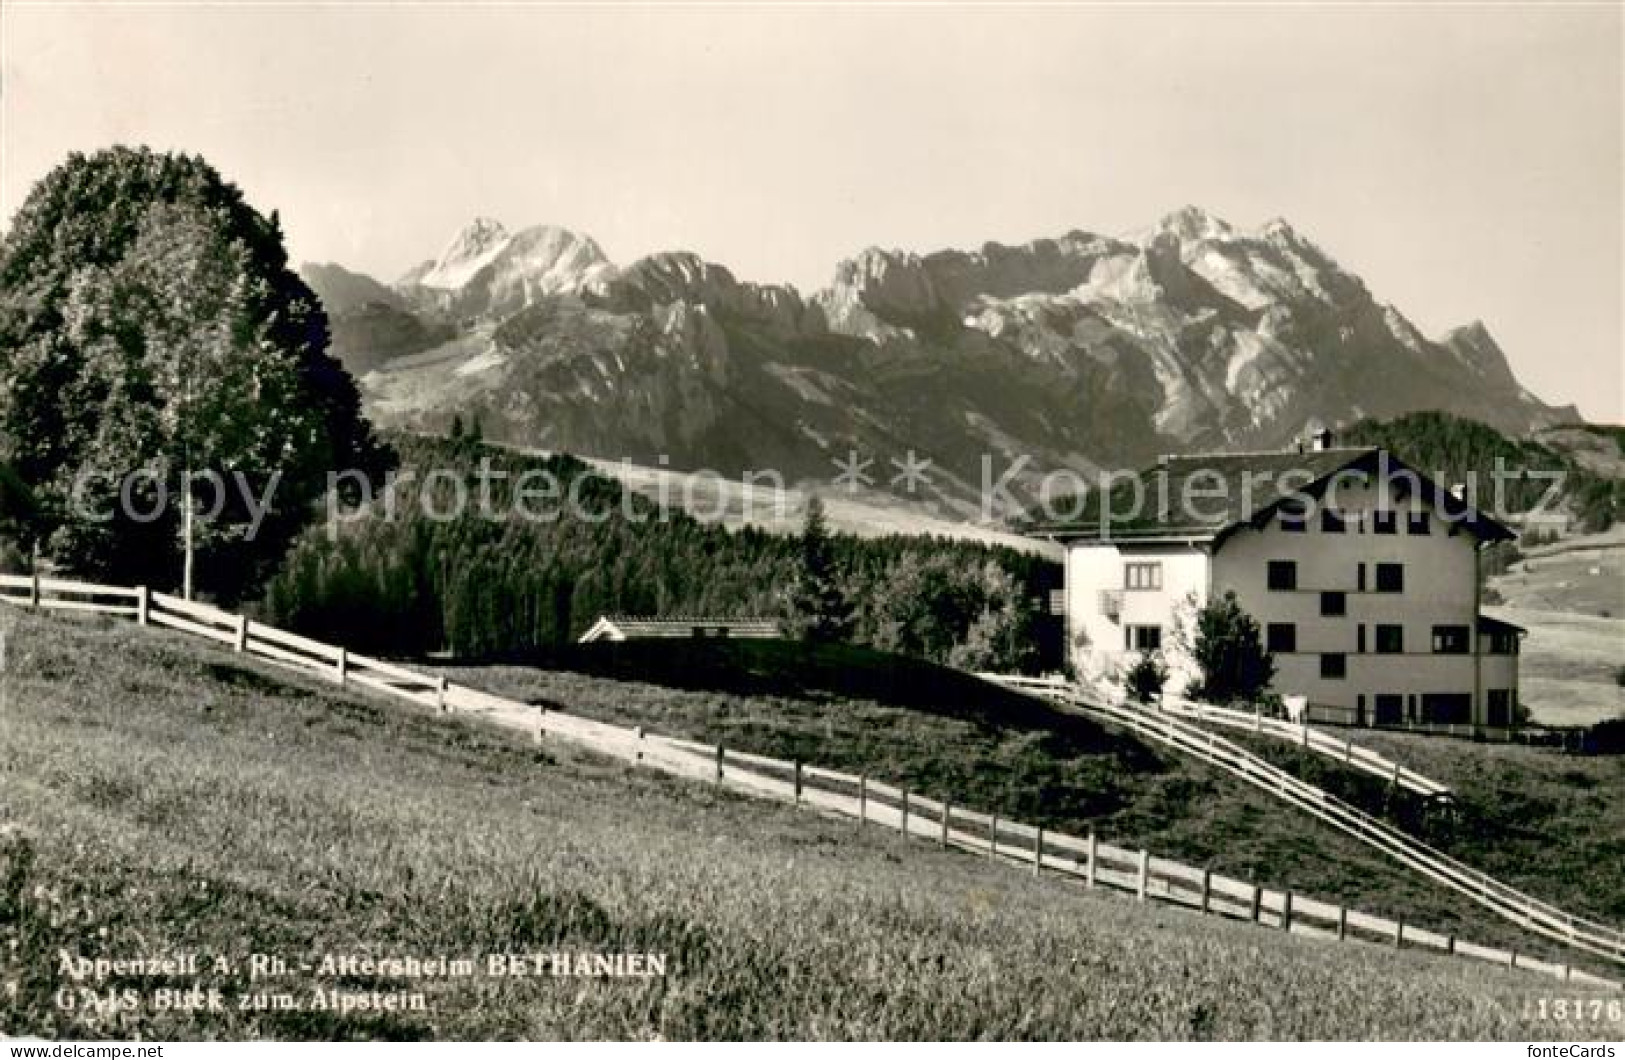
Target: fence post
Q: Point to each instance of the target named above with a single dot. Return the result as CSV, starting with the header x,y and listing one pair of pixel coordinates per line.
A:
x,y
637,755
1450,944
1255,904
1342,923
1038,852
1348,751
1286,912
863,798
241,643
947,812
1093,848
143,604
905,813
720,754
541,726
440,694
1305,735
1258,719
798,779
1207,891
1144,876
341,667
1399,933
1512,958
993,836
1395,780
33,588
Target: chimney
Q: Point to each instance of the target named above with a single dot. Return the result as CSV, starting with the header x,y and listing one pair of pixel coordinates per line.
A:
x,y
1321,440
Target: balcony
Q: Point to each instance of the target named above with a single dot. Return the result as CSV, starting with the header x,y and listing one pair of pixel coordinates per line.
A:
x,y
1111,603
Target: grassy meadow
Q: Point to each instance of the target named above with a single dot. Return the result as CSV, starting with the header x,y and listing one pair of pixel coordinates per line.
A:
x,y
162,796
1570,596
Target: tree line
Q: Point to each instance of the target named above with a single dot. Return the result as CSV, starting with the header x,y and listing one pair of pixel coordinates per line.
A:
x,y
489,583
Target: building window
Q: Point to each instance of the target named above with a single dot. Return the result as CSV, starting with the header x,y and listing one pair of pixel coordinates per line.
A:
x,y
1142,638
1390,640
1416,522
1503,642
1293,520
1384,521
1499,708
1142,576
1390,709
1360,645
1334,664
1332,521
1333,604
1360,579
1450,640
1390,577
1447,708
1281,638
1283,575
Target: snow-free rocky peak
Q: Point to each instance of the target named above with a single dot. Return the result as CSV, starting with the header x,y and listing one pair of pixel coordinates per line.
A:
x,y
1078,350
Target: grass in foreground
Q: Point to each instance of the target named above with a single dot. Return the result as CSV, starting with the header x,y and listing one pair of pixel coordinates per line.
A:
x,y
944,734
160,796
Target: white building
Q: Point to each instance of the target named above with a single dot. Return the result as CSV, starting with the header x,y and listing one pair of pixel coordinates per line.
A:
x,y
1361,571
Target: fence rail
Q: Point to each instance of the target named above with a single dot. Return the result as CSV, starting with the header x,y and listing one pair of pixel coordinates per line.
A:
x,y
1522,909
1090,860
1309,738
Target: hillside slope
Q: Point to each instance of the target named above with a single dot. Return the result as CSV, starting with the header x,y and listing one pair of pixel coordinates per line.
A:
x,y
1563,478
946,735
224,806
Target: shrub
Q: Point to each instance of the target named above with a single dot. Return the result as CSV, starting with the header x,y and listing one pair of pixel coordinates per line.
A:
x,y
1146,677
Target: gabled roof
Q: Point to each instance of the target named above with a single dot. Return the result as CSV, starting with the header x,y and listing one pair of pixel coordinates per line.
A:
x,y
1205,497
643,627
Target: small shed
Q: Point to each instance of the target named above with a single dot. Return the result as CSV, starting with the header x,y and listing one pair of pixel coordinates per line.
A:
x,y
633,627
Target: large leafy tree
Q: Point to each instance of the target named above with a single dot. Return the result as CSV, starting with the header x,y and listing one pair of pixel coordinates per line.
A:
x,y
151,334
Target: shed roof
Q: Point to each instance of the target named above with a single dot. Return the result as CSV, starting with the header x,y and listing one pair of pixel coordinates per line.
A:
x,y
642,627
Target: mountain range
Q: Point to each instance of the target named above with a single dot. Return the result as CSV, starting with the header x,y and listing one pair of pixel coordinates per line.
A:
x,y
1084,351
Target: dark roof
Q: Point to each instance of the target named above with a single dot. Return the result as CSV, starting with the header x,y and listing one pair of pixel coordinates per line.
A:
x,y
1486,624
1207,496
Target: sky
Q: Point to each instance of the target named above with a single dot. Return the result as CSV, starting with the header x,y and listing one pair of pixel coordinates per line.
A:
x,y
1465,160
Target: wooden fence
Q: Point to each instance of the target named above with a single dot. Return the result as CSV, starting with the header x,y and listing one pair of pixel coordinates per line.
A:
x,y
1310,739
1527,912
1092,861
